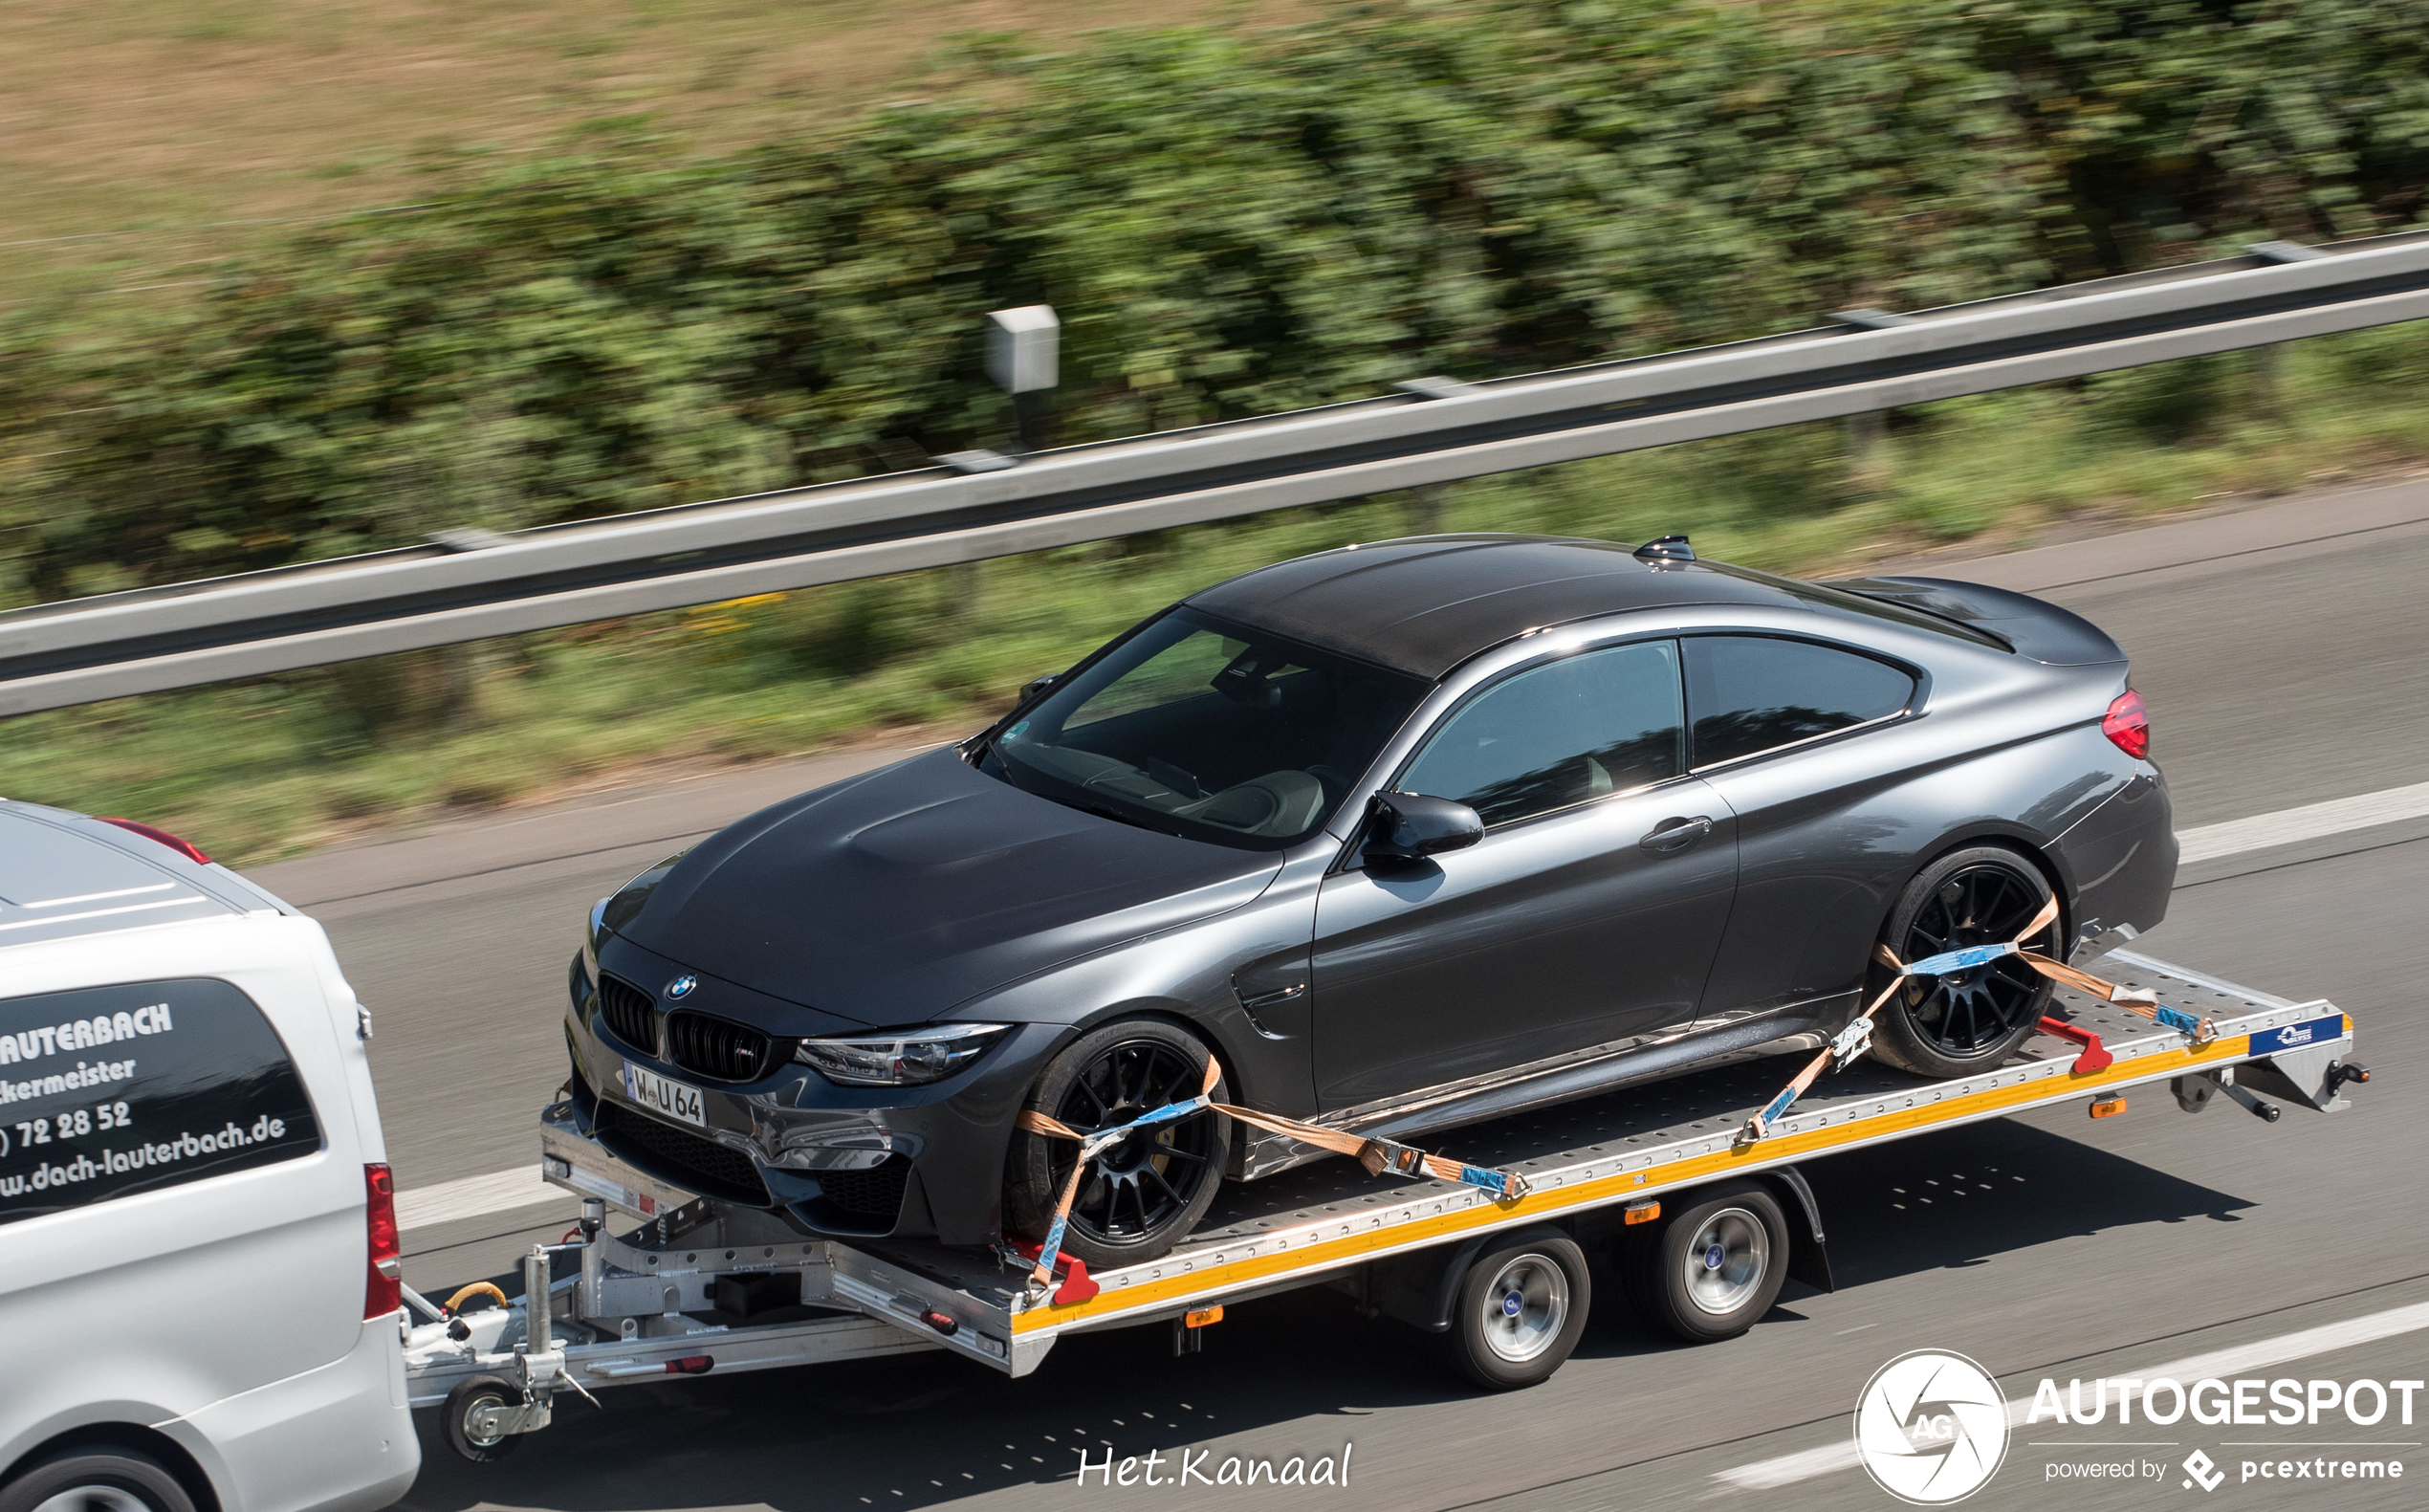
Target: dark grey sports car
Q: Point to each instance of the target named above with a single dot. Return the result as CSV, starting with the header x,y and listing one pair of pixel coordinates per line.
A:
x,y
1407,835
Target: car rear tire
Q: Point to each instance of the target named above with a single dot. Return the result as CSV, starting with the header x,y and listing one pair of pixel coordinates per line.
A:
x,y
1958,1025
1520,1311
1144,1195
96,1478
1712,1268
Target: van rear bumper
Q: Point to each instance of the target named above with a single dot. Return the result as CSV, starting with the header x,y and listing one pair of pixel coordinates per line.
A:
x,y
338,1438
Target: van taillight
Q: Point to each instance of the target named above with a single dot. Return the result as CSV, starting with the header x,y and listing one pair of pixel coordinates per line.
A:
x,y
383,1284
2128,725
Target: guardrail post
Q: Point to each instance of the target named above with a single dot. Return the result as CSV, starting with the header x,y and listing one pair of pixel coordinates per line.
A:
x,y
2269,363
1864,432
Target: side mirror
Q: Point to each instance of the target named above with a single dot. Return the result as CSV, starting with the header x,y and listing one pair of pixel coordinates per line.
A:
x,y
1410,827
1039,685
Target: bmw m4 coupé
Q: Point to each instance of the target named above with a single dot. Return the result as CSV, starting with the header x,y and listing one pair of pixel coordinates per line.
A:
x,y
1403,836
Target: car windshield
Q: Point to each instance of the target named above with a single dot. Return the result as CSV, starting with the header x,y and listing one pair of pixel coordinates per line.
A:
x,y
1208,729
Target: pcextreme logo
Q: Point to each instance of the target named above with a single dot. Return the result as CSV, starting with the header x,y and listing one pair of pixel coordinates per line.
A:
x,y
1931,1427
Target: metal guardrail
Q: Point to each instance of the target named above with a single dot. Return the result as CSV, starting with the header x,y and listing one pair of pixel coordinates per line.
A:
x,y
1435,432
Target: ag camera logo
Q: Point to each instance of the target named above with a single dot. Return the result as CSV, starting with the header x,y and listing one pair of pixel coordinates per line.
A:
x,y
1931,1427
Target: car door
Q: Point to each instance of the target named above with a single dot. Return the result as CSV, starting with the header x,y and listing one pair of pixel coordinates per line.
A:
x,y
1792,734
1589,910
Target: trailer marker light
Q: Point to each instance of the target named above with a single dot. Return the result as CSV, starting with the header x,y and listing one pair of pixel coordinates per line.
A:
x,y
1201,1317
943,1323
2108,1106
1643,1212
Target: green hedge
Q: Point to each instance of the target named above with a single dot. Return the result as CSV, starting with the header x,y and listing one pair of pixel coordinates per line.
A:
x,y
1229,223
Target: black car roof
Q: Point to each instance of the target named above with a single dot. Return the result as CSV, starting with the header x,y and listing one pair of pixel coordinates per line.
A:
x,y
1425,605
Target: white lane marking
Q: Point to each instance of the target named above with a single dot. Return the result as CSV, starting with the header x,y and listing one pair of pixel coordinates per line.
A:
x,y
475,1196
2334,817
1766,1475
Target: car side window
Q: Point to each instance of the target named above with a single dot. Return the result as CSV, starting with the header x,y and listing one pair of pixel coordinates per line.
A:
x,y
108,1091
1748,694
1560,735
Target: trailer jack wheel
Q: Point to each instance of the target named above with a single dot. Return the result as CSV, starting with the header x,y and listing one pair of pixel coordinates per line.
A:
x,y
472,1416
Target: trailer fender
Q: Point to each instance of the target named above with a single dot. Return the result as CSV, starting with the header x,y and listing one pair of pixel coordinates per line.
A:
x,y
1422,1289
1809,1260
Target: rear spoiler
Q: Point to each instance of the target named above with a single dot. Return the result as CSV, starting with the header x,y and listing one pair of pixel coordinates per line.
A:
x,y
2030,627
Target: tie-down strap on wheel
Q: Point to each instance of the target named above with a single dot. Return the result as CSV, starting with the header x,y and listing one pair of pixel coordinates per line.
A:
x,y
1377,1155
1858,1037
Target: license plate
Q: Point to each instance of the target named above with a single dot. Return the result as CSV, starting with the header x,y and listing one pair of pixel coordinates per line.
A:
x,y
660,1095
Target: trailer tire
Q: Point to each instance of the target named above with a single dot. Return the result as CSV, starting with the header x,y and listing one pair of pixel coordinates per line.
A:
x,y
473,1395
1677,1284
100,1478
1520,1309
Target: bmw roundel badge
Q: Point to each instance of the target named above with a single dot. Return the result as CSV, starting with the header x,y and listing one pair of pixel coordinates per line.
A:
x,y
681,986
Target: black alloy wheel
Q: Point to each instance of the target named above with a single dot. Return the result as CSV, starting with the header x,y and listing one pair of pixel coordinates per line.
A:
x,y
1140,1196
1970,1020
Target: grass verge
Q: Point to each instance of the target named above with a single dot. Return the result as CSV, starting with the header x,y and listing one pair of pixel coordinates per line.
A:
x,y
255,771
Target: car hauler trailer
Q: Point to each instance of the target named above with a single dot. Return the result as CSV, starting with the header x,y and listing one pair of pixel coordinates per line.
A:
x,y
699,1286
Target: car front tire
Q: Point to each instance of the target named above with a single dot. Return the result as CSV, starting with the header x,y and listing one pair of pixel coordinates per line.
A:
x,y
1144,1195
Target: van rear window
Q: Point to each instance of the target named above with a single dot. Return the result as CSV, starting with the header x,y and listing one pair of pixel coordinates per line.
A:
x,y
109,1091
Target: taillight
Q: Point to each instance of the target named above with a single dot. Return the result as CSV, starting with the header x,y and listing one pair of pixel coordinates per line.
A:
x,y
382,1284
2128,725
163,837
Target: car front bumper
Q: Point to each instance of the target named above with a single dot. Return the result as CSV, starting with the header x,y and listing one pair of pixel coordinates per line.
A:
x,y
836,1161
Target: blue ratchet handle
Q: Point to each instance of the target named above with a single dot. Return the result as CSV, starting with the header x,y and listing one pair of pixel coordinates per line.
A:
x,y
1948,962
2177,1020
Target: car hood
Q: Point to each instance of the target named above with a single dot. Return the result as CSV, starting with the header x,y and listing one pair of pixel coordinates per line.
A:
x,y
895,896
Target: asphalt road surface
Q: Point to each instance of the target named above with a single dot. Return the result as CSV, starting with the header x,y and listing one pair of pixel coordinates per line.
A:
x,y
2285,654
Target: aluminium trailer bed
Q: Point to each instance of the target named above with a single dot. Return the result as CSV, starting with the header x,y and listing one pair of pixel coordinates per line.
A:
x,y
699,1286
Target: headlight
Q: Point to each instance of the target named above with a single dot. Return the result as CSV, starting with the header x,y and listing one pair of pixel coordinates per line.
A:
x,y
904,1058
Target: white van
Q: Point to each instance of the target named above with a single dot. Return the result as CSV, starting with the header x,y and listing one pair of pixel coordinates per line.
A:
x,y
198,1246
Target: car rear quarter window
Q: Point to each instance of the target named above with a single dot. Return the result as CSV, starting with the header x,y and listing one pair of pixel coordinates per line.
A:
x,y
1751,694
1557,735
109,1091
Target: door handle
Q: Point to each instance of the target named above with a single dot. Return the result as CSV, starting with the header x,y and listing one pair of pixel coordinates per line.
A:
x,y
1677,834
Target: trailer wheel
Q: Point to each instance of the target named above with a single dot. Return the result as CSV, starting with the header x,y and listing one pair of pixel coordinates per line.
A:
x,y
480,1395
1715,1267
1520,1311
